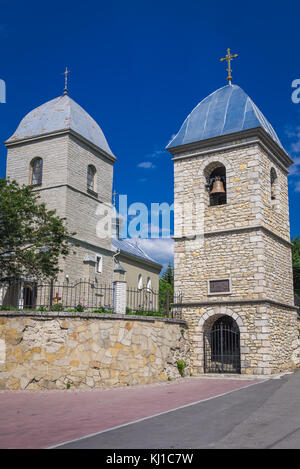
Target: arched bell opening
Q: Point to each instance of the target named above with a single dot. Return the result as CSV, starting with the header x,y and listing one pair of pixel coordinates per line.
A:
x,y
215,175
221,341
274,184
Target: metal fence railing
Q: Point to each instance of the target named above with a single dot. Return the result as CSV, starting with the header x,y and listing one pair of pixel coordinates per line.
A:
x,y
83,295
31,294
148,300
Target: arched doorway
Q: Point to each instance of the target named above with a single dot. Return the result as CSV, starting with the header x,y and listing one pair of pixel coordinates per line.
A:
x,y
221,341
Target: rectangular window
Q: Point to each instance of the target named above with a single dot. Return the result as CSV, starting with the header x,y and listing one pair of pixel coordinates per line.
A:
x,y
99,264
219,287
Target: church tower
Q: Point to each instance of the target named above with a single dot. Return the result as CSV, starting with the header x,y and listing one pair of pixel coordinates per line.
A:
x,y
62,152
233,263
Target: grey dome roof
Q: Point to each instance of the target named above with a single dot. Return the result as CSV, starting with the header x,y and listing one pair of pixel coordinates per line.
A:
x,y
227,110
130,247
61,113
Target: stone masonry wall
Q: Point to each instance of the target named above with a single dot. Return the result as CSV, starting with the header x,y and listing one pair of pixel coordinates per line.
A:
x,y
226,255
278,275
269,336
82,350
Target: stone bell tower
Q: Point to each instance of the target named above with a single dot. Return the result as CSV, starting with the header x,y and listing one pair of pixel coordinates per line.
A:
x,y
233,264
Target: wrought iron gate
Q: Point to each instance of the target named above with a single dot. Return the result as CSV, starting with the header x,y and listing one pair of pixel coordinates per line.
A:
x,y
222,347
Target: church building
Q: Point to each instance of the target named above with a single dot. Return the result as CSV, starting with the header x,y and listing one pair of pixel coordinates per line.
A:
x,y
233,259
61,151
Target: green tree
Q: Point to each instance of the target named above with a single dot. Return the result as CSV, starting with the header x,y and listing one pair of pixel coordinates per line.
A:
x,y
296,263
166,283
32,238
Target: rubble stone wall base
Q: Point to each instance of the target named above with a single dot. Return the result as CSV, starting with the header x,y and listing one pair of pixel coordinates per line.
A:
x,y
85,350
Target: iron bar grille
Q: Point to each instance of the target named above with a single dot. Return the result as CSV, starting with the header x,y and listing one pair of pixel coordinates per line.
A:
x,y
222,350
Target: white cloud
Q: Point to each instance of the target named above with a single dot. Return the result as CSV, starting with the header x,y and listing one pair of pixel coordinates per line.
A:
x,y
295,168
161,250
155,154
146,165
293,133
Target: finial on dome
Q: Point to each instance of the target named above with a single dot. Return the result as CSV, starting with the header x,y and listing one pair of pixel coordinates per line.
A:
x,y
66,72
228,58
114,197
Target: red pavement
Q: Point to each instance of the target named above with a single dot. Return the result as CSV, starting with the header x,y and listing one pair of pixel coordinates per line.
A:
x,y
40,419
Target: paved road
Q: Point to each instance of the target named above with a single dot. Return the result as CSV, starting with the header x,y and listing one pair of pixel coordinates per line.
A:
x,y
34,419
266,415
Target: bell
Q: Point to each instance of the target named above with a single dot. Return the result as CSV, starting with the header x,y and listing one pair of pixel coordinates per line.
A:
x,y
218,187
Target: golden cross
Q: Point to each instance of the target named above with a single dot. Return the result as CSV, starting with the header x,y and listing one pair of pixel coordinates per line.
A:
x,y
114,196
228,58
66,72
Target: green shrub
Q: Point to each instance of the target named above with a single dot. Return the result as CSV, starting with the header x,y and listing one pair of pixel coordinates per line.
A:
x,y
102,310
57,307
181,364
6,308
142,312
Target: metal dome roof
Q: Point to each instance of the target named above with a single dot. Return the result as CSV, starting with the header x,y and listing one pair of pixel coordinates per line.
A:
x,y
227,110
61,113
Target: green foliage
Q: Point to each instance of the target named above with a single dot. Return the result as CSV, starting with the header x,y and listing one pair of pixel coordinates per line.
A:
x,y
7,308
57,307
79,308
32,238
181,364
296,263
169,378
166,283
68,385
102,310
142,312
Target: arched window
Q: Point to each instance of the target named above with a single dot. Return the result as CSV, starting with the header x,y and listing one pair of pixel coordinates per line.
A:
x,y
36,172
216,184
274,181
148,283
140,282
91,177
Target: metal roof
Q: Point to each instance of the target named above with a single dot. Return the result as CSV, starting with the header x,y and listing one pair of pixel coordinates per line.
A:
x,y
129,247
61,113
227,110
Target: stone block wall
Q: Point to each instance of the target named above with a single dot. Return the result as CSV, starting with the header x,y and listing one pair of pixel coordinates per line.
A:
x,y
84,350
226,255
269,336
278,272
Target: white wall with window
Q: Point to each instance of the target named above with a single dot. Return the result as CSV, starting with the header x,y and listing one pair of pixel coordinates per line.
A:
x,y
140,282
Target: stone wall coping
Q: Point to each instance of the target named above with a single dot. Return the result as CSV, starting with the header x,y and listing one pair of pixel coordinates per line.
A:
x,y
236,230
87,315
265,301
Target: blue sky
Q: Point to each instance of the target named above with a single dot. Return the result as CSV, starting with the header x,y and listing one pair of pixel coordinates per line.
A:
x,y
140,67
